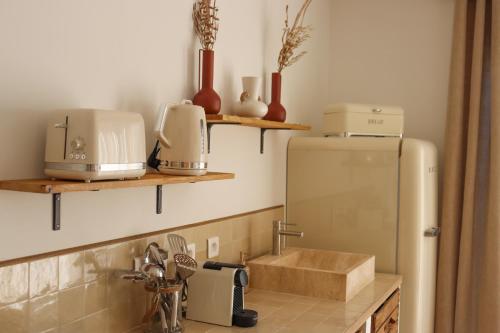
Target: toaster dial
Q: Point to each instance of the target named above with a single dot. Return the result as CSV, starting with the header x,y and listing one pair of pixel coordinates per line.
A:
x,y
77,149
78,144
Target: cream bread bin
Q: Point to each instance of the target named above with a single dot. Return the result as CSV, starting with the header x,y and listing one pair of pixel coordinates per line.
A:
x,y
348,119
89,144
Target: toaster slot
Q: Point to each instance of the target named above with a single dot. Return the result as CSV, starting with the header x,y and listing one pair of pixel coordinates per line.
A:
x,y
65,137
65,126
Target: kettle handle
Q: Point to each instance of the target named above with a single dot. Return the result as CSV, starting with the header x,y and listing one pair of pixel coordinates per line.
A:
x,y
160,123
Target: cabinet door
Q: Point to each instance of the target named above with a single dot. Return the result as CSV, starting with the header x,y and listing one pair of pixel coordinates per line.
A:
x,y
383,318
391,325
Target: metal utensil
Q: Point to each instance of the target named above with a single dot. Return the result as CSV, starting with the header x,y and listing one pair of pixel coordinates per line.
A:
x,y
177,243
163,317
134,276
175,298
185,266
154,254
154,272
155,303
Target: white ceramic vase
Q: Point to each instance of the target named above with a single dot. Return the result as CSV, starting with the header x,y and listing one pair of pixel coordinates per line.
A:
x,y
250,104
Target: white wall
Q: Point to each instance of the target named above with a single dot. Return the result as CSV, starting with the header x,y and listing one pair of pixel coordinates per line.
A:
x,y
394,52
133,55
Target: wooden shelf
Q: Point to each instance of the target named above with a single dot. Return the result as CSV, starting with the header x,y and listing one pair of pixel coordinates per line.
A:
x,y
254,122
56,187
264,125
61,186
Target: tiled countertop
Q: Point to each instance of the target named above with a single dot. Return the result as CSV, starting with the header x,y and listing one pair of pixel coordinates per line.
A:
x,y
287,313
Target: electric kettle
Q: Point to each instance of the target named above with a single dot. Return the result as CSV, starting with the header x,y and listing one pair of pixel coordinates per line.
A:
x,y
181,130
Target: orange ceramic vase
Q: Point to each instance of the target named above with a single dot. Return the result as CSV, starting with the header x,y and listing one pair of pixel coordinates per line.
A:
x,y
276,111
207,97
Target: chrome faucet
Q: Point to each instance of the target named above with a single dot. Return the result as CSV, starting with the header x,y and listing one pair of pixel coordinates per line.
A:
x,y
278,231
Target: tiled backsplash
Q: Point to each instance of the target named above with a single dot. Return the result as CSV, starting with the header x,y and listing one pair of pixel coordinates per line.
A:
x,y
78,291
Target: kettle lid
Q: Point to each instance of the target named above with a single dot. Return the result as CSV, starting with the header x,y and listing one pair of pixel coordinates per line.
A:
x,y
188,105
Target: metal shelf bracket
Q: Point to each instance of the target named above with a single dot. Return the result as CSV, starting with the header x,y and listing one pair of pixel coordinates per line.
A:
x,y
159,195
56,211
262,132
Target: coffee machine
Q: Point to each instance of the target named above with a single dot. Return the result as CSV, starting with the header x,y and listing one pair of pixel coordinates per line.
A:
x,y
216,295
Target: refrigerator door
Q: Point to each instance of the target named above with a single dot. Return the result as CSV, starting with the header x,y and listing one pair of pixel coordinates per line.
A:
x,y
417,257
343,194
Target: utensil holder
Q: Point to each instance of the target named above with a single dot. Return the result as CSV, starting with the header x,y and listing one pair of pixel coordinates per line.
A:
x,y
171,295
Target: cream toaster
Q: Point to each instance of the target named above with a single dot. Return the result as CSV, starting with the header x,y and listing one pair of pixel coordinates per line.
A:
x,y
90,144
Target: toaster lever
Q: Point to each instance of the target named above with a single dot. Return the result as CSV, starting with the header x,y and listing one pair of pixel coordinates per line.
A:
x,y
61,125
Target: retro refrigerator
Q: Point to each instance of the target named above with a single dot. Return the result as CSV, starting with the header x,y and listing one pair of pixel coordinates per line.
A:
x,y
373,195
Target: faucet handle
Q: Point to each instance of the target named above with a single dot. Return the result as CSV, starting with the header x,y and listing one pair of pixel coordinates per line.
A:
x,y
280,222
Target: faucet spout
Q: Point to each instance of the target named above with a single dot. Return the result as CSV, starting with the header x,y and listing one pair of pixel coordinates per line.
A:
x,y
278,232
299,234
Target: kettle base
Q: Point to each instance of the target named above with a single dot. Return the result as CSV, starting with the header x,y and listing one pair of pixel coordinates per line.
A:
x,y
183,172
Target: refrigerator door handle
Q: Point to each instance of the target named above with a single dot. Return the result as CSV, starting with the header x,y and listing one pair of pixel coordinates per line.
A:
x,y
432,232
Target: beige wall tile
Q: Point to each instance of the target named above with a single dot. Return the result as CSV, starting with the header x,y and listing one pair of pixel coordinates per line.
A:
x,y
242,245
119,319
224,230
43,313
52,330
258,245
118,291
261,222
95,261
44,277
201,234
95,296
225,253
201,255
240,228
77,326
120,256
137,304
137,247
71,270
71,304
98,322
13,283
75,293
14,318
139,329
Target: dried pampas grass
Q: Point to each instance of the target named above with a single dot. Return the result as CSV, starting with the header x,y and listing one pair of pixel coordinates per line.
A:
x,y
293,37
206,22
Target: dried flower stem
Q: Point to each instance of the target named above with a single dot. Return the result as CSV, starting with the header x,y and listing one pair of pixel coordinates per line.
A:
x,y
293,37
206,22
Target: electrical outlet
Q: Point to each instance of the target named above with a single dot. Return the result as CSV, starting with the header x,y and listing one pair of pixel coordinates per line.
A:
x,y
138,261
213,247
191,248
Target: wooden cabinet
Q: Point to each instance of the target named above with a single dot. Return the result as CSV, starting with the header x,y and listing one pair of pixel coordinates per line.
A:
x,y
386,318
362,329
391,324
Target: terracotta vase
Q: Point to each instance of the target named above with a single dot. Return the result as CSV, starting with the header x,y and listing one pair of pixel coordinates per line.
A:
x,y
276,111
207,97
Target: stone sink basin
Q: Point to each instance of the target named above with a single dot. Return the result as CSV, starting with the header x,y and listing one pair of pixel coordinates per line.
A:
x,y
316,273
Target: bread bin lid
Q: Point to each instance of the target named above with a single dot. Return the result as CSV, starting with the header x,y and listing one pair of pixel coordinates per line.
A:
x,y
364,108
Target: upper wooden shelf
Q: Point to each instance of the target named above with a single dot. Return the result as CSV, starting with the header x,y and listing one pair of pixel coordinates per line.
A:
x,y
264,125
56,187
61,186
253,122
